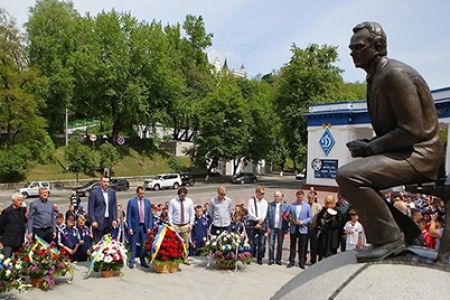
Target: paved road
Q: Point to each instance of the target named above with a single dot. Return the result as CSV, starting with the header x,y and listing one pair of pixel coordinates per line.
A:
x,y
200,193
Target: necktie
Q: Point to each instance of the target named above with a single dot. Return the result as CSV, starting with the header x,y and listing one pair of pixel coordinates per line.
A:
x,y
141,211
181,211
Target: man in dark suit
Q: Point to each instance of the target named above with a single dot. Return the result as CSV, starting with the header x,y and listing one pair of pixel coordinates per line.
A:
x,y
140,224
102,209
300,216
12,226
406,148
276,226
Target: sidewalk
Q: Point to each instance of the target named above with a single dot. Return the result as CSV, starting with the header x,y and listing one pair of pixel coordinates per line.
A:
x,y
193,282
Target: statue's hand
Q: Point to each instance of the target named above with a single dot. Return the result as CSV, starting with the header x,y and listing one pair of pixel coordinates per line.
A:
x,y
359,148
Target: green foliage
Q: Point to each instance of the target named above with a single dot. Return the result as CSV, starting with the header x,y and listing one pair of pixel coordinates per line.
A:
x,y
310,77
21,123
51,41
109,155
175,164
14,163
80,158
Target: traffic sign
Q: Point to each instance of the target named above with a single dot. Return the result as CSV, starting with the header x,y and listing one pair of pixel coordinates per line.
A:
x,y
120,140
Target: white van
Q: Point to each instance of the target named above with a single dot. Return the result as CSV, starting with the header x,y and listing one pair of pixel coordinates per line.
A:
x,y
164,181
32,190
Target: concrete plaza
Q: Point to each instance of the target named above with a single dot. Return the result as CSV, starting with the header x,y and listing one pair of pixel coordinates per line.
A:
x,y
193,282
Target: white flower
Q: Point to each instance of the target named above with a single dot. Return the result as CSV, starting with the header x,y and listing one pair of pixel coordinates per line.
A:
x,y
7,273
204,239
18,266
100,256
224,239
2,257
214,244
108,259
223,248
6,262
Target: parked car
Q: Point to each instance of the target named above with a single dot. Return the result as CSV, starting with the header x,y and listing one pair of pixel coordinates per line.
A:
x,y
187,180
120,184
163,181
244,178
85,189
301,175
32,189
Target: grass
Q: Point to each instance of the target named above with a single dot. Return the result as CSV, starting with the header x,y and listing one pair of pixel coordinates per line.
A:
x,y
131,163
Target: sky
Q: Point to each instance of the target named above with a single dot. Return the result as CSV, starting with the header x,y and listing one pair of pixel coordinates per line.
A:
x,y
259,33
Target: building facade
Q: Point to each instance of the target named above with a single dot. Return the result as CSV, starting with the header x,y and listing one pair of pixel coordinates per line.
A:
x,y
332,126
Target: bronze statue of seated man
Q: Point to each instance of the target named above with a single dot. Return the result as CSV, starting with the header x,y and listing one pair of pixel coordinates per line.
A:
x,y
406,147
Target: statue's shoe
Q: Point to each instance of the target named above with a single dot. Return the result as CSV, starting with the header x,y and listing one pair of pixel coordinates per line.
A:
x,y
380,252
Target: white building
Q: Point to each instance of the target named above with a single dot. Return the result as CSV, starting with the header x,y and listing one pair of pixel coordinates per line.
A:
x,y
331,126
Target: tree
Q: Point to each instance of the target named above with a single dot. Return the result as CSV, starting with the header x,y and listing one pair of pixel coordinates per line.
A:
x,y
51,42
223,126
21,123
109,155
175,164
79,158
310,77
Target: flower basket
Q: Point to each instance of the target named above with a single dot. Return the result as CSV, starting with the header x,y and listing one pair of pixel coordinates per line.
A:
x,y
161,268
10,274
37,282
223,266
174,267
108,257
108,274
44,264
165,249
227,249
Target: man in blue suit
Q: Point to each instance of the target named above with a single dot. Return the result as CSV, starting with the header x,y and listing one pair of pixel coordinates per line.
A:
x,y
276,226
300,216
140,224
102,209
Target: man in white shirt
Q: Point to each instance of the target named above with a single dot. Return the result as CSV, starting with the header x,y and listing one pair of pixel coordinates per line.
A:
x,y
220,211
257,211
181,216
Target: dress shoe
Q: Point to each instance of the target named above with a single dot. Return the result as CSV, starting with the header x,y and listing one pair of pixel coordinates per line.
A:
x,y
259,262
290,265
131,265
145,265
380,252
278,263
302,266
270,263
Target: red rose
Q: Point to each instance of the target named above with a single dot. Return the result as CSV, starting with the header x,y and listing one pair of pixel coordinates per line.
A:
x,y
27,259
164,258
55,256
42,252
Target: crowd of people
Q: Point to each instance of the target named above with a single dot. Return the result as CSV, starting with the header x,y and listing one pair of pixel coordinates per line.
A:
x,y
319,230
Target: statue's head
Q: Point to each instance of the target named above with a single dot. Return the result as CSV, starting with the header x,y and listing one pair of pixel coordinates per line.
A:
x,y
368,42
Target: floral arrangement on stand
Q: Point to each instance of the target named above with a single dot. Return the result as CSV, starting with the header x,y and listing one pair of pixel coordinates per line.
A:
x,y
107,257
10,274
227,249
165,249
43,263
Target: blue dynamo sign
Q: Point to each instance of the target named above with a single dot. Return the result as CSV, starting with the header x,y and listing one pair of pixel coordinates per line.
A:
x,y
327,142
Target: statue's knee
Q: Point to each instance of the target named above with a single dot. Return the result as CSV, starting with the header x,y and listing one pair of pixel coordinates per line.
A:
x,y
342,175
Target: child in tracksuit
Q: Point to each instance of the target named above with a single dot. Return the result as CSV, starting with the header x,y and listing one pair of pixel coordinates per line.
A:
x,y
199,231
60,226
85,237
68,239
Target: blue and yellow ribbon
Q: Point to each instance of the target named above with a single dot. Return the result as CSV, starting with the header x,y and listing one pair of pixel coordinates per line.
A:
x,y
159,237
40,241
104,243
